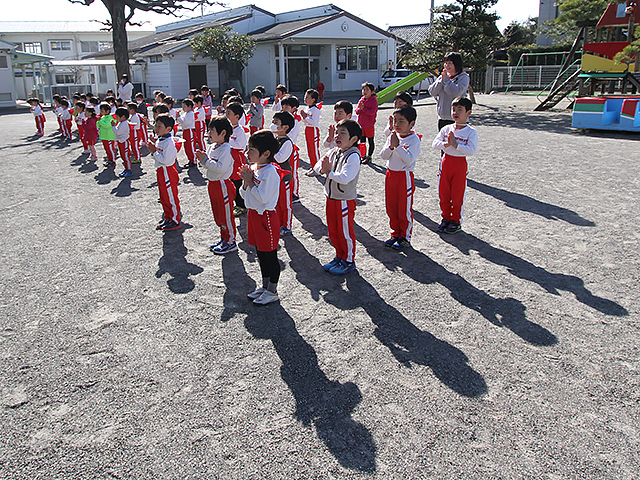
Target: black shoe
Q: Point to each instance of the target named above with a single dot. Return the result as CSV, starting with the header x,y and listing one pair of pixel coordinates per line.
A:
x,y
400,243
170,225
161,225
189,165
453,227
443,226
390,242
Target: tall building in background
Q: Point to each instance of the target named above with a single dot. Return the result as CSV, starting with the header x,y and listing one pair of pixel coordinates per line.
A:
x,y
548,11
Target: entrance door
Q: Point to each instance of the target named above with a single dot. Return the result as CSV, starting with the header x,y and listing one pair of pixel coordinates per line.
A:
x,y
298,74
314,72
197,76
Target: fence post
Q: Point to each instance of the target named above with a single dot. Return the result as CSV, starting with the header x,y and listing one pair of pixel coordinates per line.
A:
x,y
488,80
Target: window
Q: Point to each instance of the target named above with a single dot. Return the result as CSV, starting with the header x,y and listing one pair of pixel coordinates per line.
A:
x,y
91,47
4,63
296,50
32,47
358,58
155,59
102,74
60,45
65,78
314,50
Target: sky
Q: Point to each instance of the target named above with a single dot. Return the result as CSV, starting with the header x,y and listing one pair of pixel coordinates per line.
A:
x,y
376,12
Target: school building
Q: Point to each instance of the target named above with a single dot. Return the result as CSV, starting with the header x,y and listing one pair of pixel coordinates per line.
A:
x,y
298,48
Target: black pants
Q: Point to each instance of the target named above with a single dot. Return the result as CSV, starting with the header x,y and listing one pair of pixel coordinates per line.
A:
x,y
371,145
269,265
239,199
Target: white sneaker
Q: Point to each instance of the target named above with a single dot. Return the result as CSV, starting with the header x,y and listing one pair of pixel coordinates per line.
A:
x,y
256,293
266,297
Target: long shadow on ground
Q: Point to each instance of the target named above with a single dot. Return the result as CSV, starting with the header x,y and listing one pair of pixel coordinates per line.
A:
x,y
320,402
528,204
502,312
551,282
407,343
174,262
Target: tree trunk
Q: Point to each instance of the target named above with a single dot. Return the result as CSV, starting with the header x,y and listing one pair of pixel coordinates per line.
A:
x,y
119,31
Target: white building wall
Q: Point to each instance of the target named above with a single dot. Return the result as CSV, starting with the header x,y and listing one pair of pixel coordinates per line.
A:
x,y
172,74
262,68
7,95
158,77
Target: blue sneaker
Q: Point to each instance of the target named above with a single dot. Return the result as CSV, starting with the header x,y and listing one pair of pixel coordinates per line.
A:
x,y
390,242
212,246
225,248
331,264
400,243
285,232
343,268
125,173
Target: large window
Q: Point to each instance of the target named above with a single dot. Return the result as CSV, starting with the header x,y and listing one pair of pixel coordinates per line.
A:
x,y
32,47
358,58
65,78
97,46
60,45
4,63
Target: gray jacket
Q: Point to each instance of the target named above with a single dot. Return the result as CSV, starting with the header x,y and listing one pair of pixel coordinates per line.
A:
x,y
446,92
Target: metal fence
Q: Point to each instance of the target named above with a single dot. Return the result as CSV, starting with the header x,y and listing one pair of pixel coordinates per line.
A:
x,y
526,78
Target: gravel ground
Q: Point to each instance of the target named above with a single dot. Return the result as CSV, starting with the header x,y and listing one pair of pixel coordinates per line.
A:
x,y
508,350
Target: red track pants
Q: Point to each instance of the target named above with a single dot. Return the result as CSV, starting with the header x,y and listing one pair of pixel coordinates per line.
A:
x,y
452,187
110,149
189,137
312,136
283,206
399,188
123,148
168,187
340,220
222,194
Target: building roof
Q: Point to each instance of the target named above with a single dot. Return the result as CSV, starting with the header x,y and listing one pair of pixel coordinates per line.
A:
x,y
412,34
283,30
166,41
63,26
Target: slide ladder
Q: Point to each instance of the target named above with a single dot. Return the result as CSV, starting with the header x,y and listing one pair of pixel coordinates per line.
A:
x,y
404,84
561,91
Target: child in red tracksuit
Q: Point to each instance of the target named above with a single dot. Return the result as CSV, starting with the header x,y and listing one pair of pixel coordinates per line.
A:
x,y
165,153
367,110
66,119
122,131
135,124
36,109
311,117
401,151
218,164
80,119
457,140
238,142
188,121
290,103
341,165
282,124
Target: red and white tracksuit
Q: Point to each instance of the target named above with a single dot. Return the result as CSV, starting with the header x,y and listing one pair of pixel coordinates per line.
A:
x,y
134,135
340,189
261,198
399,186
284,157
80,119
66,119
201,127
188,121
40,119
295,162
222,191
453,169
312,134
122,132
167,176
238,144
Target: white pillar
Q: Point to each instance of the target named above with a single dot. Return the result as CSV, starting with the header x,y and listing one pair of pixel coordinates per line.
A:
x,y
283,80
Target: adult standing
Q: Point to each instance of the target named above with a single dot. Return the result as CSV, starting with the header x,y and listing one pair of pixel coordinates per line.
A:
x,y
125,89
453,83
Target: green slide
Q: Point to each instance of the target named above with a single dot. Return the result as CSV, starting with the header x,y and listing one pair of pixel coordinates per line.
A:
x,y
405,84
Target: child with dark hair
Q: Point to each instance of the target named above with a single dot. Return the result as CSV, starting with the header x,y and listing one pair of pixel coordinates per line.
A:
x,y
142,109
260,189
311,116
367,110
224,101
401,151
135,132
201,118
457,140
106,135
401,98
281,91
193,93
160,109
91,131
281,125
257,112
451,84
122,132
80,118
218,164
165,153
341,111
38,114
341,165
188,121
65,119
238,144
290,104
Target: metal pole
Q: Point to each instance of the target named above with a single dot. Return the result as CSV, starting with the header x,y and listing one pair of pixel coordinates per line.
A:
x,y
431,13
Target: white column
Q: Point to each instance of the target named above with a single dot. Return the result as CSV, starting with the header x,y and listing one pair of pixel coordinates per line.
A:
x,y
281,61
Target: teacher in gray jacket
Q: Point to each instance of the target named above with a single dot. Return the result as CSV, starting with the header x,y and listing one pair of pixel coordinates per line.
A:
x,y
453,83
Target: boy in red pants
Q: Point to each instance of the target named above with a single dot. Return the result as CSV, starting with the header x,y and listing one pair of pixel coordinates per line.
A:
x,y
457,140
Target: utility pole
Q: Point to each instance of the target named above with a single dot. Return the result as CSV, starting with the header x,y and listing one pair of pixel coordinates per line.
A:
x,y
431,13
